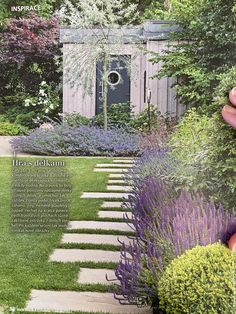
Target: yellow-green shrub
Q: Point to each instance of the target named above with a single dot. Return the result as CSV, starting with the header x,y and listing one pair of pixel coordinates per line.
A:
x,y
11,129
205,147
199,281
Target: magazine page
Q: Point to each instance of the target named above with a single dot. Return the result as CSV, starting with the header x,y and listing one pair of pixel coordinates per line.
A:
x,y
117,156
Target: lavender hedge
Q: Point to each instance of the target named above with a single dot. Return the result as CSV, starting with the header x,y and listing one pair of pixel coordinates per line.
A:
x,y
65,140
166,226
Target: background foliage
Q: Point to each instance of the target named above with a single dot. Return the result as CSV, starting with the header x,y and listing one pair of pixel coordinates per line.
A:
x,y
30,55
205,48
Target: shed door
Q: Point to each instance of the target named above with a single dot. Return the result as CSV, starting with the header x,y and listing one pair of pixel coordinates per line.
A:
x,y
119,82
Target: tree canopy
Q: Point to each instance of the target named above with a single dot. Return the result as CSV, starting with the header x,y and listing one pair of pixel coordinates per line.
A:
x,y
206,47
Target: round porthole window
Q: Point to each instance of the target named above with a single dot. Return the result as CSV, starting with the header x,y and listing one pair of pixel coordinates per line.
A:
x,y
114,78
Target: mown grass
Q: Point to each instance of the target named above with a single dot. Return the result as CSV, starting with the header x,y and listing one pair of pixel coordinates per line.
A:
x,y
24,257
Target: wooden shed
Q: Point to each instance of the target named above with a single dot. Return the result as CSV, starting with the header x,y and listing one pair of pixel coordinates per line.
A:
x,y
152,36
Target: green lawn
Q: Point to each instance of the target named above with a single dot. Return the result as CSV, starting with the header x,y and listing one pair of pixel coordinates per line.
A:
x,y
24,257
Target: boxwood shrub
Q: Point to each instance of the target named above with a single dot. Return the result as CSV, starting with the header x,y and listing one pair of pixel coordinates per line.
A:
x,y
199,281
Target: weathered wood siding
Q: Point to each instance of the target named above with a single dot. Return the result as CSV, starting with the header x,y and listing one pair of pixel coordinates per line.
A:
x,y
163,95
163,92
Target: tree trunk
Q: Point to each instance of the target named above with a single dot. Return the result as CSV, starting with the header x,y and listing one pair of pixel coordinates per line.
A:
x,y
105,91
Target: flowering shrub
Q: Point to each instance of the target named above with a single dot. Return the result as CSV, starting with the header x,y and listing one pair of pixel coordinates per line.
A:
x,y
166,226
155,163
199,281
65,140
47,102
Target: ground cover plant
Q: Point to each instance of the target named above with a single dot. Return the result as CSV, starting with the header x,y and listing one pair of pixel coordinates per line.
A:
x,y
23,269
64,140
7,128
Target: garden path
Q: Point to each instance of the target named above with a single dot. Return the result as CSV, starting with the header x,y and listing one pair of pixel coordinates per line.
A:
x,y
94,233
5,147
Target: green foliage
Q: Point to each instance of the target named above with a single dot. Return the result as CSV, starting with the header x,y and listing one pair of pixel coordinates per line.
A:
x,y
29,111
206,149
12,105
205,48
47,102
7,128
75,119
199,281
118,114
227,81
47,7
27,119
121,115
147,120
184,11
156,10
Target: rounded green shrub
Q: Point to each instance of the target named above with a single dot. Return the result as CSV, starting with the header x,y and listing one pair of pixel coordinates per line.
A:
x,y
199,281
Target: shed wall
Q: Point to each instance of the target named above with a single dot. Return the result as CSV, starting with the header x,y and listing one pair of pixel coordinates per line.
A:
x,y
75,98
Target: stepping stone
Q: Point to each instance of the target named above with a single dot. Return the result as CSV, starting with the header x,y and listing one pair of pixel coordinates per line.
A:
x,y
114,165
90,276
111,170
117,175
120,161
79,255
105,195
112,204
101,225
114,214
94,238
117,182
68,301
125,188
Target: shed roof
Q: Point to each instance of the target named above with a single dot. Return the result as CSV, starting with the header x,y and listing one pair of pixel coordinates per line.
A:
x,y
149,31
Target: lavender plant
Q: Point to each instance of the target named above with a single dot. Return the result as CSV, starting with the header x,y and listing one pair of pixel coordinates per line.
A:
x,y
156,163
166,226
65,140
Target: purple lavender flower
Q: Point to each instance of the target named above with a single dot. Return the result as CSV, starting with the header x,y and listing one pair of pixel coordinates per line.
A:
x,y
65,140
166,226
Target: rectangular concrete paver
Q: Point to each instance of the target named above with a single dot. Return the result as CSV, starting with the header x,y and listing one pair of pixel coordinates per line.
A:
x,y
94,276
111,170
112,204
125,188
66,301
114,214
102,225
118,181
94,238
117,175
128,161
116,165
78,255
105,195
